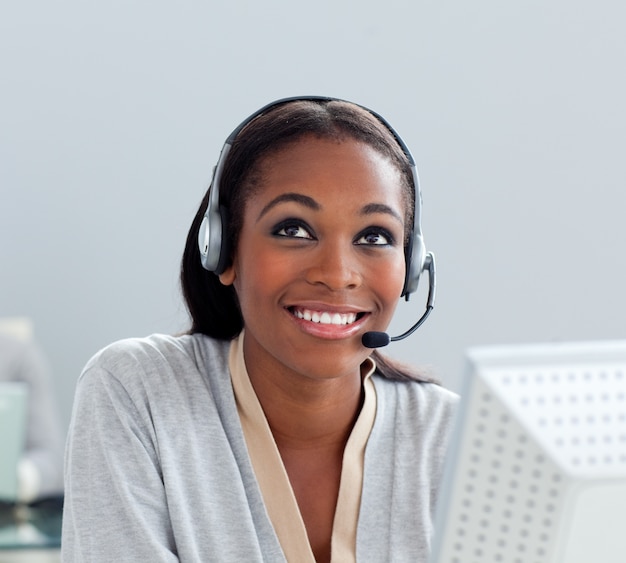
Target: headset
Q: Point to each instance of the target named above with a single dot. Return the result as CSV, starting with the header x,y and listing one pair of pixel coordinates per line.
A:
x,y
212,241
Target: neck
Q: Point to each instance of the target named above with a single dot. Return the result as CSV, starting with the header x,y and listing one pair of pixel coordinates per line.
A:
x,y
308,414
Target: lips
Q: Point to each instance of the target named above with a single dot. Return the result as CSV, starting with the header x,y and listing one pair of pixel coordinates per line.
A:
x,y
325,317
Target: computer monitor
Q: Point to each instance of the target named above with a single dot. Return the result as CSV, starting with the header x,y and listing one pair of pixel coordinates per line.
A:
x,y
13,414
536,470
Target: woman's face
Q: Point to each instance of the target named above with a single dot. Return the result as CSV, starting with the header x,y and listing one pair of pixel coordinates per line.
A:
x,y
320,257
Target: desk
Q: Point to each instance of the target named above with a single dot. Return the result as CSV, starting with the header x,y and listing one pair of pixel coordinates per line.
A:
x,y
31,534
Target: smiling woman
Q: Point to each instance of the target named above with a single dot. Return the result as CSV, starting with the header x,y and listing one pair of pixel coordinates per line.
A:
x,y
269,432
312,242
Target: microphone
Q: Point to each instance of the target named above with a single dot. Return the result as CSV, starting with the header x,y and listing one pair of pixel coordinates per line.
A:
x,y
375,339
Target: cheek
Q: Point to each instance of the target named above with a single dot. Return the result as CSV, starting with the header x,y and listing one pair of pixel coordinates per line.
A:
x,y
396,274
259,274
392,288
391,278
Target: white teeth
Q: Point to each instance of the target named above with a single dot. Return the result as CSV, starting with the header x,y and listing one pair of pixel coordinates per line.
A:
x,y
324,317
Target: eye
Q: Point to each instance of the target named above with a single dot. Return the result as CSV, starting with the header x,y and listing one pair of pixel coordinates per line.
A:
x,y
292,229
375,237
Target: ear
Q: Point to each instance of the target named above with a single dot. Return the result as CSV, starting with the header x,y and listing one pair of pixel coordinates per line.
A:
x,y
228,276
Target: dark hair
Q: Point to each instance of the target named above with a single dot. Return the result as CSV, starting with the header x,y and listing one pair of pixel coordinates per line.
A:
x,y
214,307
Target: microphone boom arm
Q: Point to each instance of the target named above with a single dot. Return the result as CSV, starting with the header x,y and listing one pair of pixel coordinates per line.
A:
x,y
429,264
375,339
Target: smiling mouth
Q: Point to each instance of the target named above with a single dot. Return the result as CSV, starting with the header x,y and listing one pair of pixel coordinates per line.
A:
x,y
325,317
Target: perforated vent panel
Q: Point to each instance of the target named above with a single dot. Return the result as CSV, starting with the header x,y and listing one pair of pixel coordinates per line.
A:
x,y
529,438
507,494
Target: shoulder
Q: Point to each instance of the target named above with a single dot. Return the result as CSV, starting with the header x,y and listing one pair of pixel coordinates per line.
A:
x,y
158,349
156,358
417,399
426,389
156,378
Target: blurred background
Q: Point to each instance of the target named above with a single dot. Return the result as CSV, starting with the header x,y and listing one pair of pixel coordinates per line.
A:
x,y
112,115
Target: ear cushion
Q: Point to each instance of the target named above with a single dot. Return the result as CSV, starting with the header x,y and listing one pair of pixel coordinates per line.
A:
x,y
204,235
224,255
210,238
416,256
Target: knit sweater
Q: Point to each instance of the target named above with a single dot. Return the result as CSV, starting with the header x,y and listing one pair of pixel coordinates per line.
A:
x,y
157,468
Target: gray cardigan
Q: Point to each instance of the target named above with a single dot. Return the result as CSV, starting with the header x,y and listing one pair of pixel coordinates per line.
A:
x,y
157,468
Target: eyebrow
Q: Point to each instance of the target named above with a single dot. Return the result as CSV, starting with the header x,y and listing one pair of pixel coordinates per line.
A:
x,y
306,201
373,208
291,196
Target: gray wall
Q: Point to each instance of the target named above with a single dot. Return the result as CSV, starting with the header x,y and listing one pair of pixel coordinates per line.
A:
x,y
112,115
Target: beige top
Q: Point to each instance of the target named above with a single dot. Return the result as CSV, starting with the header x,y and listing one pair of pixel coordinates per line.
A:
x,y
271,475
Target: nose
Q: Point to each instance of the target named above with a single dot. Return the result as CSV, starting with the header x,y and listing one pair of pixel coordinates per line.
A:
x,y
335,266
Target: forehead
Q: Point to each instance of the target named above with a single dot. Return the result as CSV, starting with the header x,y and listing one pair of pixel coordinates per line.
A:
x,y
346,169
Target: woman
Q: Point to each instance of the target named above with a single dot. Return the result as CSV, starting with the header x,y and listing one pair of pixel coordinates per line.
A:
x,y
269,432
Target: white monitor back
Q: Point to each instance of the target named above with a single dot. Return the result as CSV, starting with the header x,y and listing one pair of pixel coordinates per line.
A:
x,y
13,418
536,471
